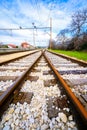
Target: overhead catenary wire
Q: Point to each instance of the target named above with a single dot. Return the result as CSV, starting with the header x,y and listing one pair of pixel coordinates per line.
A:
x,y
37,8
24,28
48,16
36,5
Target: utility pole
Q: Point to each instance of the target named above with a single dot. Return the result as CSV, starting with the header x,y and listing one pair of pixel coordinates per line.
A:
x,y
50,33
33,34
34,28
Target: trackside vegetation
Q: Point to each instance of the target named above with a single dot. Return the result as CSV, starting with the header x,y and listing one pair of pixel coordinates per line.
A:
x,y
76,54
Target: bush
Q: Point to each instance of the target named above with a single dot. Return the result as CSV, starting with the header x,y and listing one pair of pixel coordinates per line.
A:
x,y
78,43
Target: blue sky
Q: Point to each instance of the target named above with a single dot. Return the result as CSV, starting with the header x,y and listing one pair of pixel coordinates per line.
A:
x,y
16,13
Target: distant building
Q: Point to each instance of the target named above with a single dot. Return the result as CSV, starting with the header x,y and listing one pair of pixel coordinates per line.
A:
x,y
25,45
11,46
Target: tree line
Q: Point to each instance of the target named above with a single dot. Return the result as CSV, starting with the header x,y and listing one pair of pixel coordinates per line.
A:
x,y
77,30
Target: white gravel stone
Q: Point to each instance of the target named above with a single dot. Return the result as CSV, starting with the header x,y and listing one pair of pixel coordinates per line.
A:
x,y
31,120
45,118
58,119
27,111
44,127
16,122
60,124
71,124
6,127
51,125
53,121
11,111
69,129
12,125
7,117
70,117
63,117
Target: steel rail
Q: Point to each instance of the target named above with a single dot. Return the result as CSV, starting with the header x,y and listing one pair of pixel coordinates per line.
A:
x,y
20,79
80,62
71,95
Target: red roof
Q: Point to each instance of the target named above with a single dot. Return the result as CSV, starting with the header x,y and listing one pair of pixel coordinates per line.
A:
x,y
12,45
25,45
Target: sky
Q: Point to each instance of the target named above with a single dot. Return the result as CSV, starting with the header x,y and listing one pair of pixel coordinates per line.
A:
x,y
16,14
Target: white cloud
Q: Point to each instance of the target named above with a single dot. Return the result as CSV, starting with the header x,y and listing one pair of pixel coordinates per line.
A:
x,y
24,13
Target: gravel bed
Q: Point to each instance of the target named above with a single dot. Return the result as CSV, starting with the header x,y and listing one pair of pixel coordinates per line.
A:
x,y
19,64
66,65
12,67
70,68
11,73
80,88
5,84
74,74
34,116
42,68
57,59
81,93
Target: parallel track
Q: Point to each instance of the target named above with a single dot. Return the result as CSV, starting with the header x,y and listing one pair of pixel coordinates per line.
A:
x,y
12,71
73,74
14,56
40,81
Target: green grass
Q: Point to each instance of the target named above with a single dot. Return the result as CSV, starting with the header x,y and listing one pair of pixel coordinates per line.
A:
x,y
77,54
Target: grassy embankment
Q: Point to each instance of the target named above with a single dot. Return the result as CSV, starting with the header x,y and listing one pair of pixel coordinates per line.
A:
x,y
77,54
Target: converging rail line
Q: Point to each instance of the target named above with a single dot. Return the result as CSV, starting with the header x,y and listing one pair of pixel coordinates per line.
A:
x,y
74,72
37,97
11,71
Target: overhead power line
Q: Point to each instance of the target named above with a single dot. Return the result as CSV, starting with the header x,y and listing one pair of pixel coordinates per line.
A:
x,y
20,28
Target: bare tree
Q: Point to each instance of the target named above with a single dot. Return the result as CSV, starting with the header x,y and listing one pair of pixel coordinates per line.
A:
x,y
79,22
63,33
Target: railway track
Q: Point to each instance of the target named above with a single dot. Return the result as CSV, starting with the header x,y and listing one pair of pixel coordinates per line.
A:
x,y
4,51
11,57
11,71
74,72
36,99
